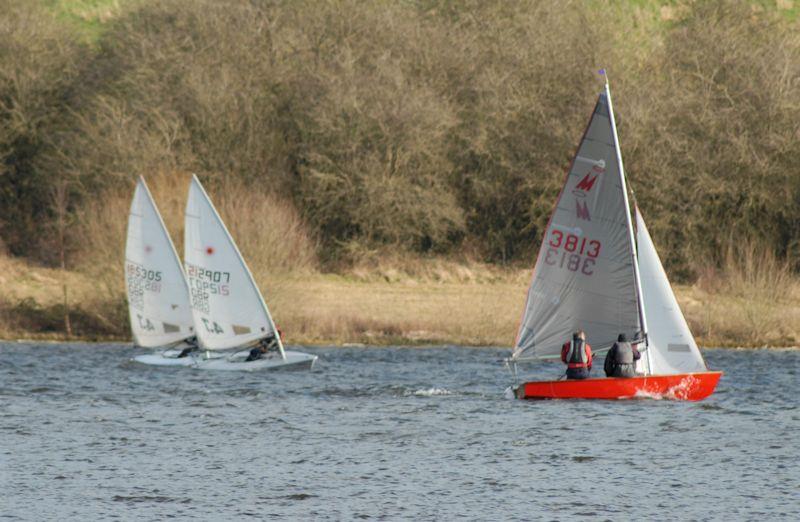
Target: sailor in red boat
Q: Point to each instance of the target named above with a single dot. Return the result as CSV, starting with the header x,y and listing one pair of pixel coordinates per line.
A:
x,y
621,359
577,355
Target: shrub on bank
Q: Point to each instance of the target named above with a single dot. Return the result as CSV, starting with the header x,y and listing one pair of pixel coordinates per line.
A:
x,y
39,59
415,127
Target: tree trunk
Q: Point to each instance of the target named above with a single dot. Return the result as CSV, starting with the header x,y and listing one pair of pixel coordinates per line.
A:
x,y
60,196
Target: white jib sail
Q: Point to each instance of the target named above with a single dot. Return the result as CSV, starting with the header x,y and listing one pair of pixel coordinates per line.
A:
x,y
584,275
158,296
228,308
671,345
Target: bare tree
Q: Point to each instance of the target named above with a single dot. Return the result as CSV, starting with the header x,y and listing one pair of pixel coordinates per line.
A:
x,y
60,200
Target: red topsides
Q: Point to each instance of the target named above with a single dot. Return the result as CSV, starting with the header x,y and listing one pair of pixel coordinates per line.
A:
x,y
682,387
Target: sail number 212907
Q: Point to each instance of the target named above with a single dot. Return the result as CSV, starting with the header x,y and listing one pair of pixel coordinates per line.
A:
x,y
572,252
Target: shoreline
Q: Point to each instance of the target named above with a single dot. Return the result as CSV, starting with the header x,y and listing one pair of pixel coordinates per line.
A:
x,y
51,340
433,303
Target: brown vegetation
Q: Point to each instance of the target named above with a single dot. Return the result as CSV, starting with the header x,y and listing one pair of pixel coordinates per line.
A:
x,y
397,142
760,304
714,153
38,63
420,302
267,230
31,304
425,126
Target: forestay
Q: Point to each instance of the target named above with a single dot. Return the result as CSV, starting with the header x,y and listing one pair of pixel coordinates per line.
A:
x,y
672,348
227,305
584,276
158,297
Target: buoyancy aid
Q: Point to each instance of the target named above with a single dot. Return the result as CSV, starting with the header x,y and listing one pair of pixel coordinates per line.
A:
x,y
624,353
576,354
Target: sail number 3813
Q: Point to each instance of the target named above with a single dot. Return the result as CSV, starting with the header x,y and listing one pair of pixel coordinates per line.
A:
x,y
572,252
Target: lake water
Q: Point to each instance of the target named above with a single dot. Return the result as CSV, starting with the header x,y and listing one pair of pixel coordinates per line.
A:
x,y
384,433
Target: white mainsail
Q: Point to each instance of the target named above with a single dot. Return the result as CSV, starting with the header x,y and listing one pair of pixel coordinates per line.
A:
x,y
585,274
672,348
228,308
158,296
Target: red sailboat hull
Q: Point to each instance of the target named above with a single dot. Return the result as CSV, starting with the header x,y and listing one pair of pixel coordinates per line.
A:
x,y
683,387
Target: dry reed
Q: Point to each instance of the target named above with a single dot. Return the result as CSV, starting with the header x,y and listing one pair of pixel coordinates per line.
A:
x,y
442,303
752,300
266,229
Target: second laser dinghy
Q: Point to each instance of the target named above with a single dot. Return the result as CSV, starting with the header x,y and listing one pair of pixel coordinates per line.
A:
x,y
590,276
229,311
158,297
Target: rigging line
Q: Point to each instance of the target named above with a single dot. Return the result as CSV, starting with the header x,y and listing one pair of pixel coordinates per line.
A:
x,y
634,249
511,366
645,334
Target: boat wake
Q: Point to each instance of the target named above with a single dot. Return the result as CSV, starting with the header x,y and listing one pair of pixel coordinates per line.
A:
x,y
644,394
430,392
680,391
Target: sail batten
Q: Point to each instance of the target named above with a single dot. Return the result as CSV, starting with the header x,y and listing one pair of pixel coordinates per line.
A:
x,y
584,277
158,296
228,307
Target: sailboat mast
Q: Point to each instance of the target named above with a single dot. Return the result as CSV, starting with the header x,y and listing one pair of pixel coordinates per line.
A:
x,y
277,334
629,223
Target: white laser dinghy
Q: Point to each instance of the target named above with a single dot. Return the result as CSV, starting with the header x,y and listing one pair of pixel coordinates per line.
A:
x,y
229,311
158,296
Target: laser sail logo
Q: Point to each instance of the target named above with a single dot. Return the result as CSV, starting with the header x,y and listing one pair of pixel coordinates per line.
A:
x,y
585,186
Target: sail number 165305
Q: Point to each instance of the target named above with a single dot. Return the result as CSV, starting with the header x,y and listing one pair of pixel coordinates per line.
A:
x,y
572,252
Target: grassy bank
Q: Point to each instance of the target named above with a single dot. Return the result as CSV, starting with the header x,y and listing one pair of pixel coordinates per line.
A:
x,y
436,302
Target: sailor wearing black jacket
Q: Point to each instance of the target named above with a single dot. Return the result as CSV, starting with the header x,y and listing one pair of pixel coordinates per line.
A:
x,y
621,359
270,344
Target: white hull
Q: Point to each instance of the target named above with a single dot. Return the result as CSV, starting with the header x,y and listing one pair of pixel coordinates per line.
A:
x,y
170,358
229,362
236,362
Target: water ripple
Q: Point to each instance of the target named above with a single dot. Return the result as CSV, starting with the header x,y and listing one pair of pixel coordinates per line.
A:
x,y
395,434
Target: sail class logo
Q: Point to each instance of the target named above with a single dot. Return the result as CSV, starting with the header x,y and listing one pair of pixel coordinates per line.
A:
x,y
586,184
584,187
582,210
